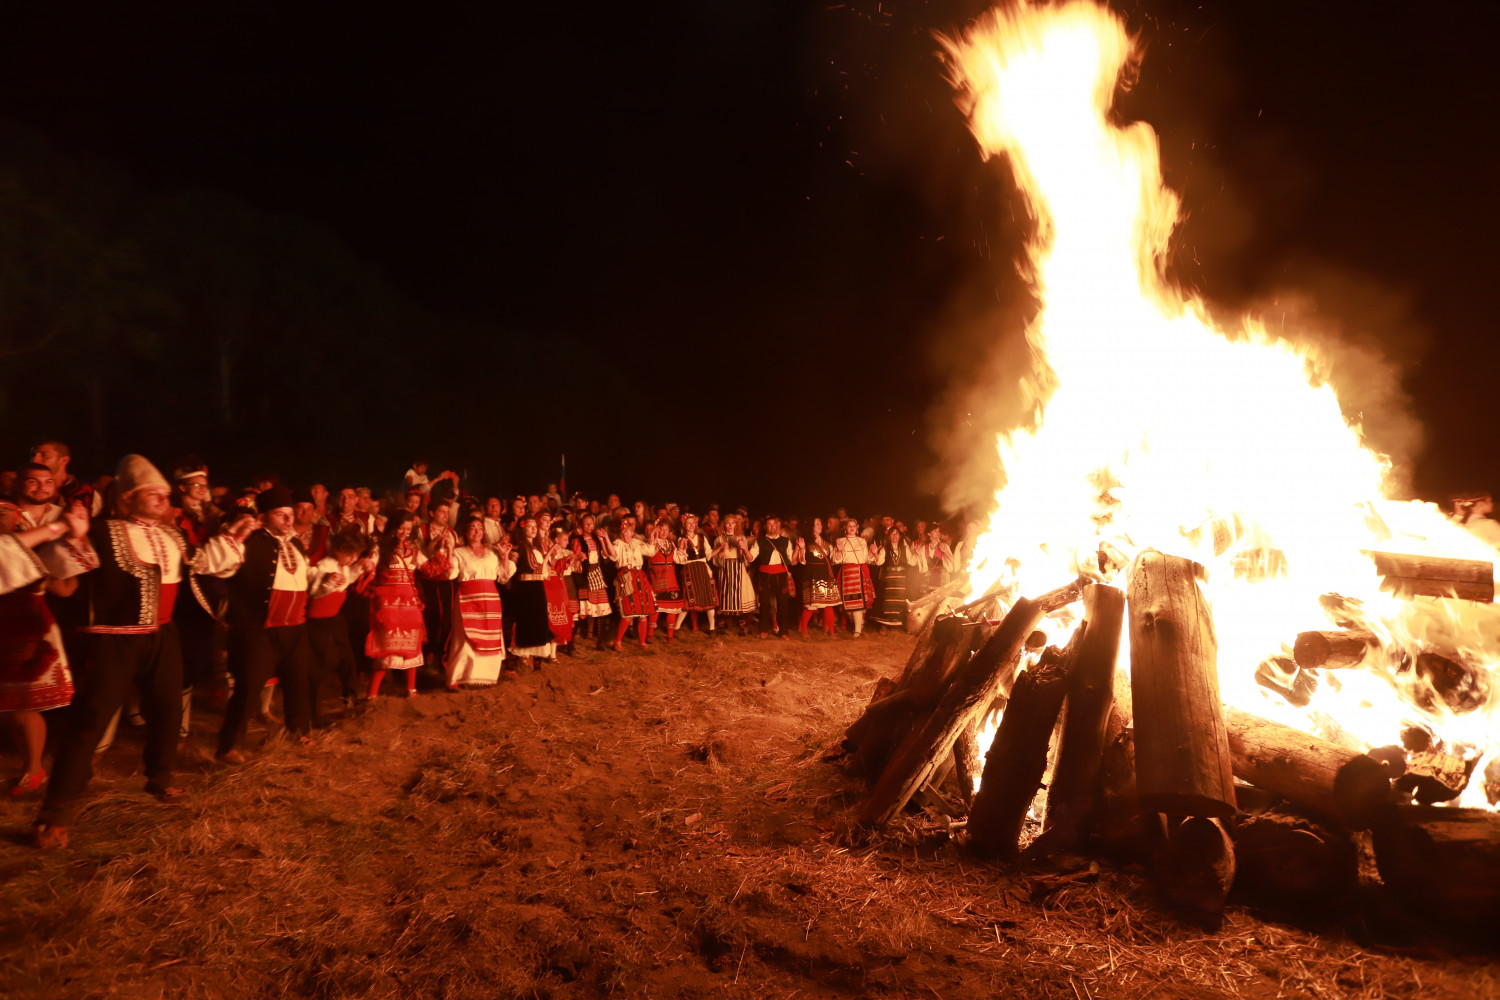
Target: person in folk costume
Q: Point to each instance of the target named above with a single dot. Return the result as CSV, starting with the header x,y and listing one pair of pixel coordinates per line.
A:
x,y
350,517
438,540
266,571
562,591
329,580
592,548
731,554
856,588
820,589
661,567
772,555
934,559
197,626
34,672
305,525
129,601
70,489
895,562
34,502
533,638
476,646
698,591
397,627
633,593
196,516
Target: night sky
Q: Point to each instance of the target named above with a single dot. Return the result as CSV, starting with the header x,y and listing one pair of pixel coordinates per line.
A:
x,y
748,252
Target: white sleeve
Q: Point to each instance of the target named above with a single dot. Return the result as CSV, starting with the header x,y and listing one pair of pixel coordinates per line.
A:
x,y
507,569
19,566
220,556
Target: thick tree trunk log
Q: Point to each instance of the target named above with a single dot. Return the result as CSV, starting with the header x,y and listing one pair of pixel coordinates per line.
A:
x,y
967,762
1017,759
967,696
1309,772
1434,576
1291,865
1090,696
1195,868
1332,649
1443,862
1182,762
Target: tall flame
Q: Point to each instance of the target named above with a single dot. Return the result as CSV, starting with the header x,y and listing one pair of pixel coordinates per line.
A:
x,y
1152,429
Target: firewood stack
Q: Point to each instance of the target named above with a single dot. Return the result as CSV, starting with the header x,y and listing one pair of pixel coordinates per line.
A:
x,y
1156,769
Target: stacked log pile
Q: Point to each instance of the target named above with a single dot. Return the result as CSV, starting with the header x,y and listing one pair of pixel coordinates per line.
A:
x,y
1155,769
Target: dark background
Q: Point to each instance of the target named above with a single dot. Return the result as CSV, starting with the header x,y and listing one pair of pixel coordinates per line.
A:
x,y
730,251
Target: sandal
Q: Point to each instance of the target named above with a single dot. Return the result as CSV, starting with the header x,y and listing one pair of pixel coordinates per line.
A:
x,y
168,795
49,836
27,783
230,757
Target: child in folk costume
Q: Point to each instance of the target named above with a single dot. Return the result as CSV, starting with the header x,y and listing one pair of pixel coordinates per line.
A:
x,y
895,562
534,637
562,594
476,649
731,554
328,581
662,567
632,586
698,590
820,589
397,629
591,548
856,588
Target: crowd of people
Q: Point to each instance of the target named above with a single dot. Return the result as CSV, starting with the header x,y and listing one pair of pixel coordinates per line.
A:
x,y
129,594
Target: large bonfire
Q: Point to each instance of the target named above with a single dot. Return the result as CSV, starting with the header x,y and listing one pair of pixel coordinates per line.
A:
x,y
1153,428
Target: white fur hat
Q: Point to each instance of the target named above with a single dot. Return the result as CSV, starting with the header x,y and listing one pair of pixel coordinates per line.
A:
x,y
136,472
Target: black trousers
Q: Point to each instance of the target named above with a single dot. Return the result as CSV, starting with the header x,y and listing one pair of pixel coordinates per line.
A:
x,y
153,663
332,658
770,588
256,654
437,612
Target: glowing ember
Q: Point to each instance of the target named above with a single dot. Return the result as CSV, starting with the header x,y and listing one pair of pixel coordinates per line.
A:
x,y
1153,429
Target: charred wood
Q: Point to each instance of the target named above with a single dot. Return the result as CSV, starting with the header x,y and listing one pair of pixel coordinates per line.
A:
x,y
1332,649
1444,862
1090,696
1435,576
968,695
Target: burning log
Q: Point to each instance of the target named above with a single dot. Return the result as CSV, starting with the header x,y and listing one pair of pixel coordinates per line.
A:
x,y
966,762
1435,576
1017,759
1333,649
1182,756
1444,862
1090,696
1309,772
970,692
921,611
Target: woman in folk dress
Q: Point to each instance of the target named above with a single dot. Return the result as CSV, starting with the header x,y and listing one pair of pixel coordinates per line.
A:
x,y
534,638
856,588
731,554
819,588
895,562
632,586
665,585
591,548
698,590
397,629
476,645
562,595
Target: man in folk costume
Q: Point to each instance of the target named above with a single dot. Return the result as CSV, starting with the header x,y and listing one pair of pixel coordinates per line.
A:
x,y
266,568
70,489
771,559
132,640
312,533
36,501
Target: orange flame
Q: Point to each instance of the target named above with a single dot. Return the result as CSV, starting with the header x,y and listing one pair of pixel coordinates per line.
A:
x,y
1152,429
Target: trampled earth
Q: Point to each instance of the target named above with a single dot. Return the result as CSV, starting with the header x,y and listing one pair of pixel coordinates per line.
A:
x,y
658,823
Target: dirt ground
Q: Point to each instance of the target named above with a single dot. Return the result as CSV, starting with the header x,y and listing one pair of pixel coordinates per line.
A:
x,y
660,823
